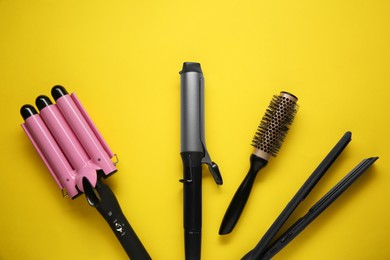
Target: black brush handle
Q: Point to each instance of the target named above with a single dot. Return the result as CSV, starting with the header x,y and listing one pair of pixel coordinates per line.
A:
x,y
109,208
241,196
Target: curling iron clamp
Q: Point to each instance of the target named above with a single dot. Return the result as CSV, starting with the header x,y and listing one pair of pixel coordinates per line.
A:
x,y
78,158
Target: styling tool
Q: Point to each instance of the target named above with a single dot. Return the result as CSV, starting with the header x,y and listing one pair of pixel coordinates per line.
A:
x,y
194,153
264,249
318,208
78,158
267,141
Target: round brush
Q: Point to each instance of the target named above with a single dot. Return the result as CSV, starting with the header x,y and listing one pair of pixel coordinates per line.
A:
x,y
267,141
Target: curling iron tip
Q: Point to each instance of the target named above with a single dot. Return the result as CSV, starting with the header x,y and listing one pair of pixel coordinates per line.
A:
x,y
27,110
191,67
58,91
42,101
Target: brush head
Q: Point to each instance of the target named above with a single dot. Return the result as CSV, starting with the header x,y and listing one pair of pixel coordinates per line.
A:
x,y
274,125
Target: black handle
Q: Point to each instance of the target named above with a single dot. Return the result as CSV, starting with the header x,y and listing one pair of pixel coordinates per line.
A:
x,y
108,206
192,181
241,196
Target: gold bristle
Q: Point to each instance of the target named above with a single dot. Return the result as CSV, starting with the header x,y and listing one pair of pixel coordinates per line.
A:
x,y
275,123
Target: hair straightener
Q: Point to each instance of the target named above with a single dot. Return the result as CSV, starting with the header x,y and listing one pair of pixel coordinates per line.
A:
x,y
264,249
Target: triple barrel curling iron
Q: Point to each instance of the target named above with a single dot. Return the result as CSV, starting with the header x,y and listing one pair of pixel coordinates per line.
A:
x,y
78,158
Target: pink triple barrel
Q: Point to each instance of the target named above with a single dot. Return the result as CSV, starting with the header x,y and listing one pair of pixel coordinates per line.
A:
x,y
67,141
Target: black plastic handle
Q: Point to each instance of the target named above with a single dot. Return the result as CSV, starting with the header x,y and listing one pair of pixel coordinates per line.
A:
x,y
192,191
109,208
241,196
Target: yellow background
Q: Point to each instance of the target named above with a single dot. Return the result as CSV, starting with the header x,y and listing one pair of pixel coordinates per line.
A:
x,y
122,59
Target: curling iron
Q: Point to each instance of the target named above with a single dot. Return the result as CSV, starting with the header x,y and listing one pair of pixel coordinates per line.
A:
x,y
194,153
78,158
